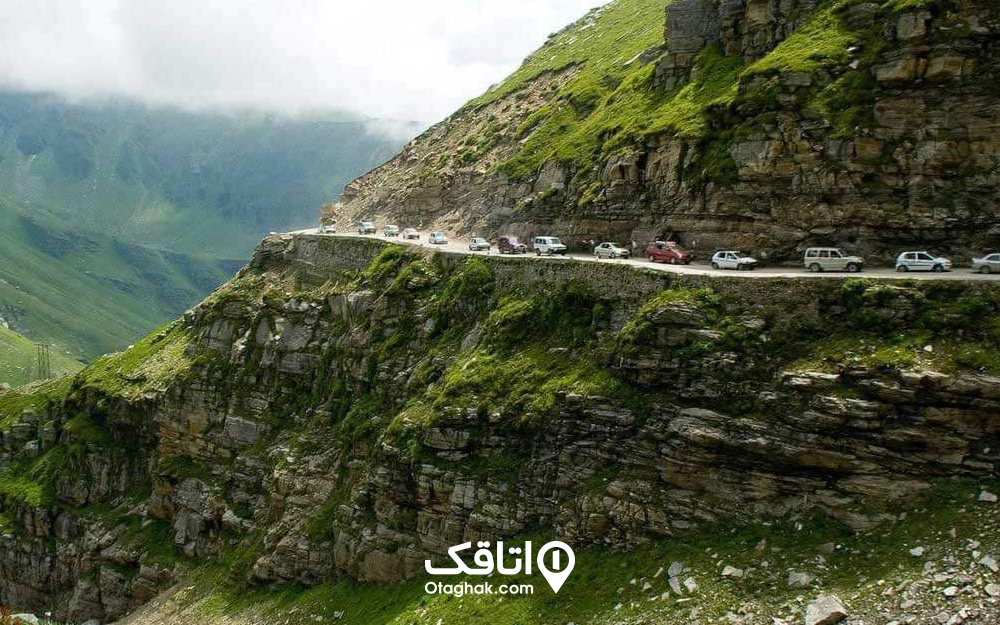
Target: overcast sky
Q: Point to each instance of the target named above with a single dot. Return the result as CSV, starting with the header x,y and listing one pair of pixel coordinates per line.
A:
x,y
397,59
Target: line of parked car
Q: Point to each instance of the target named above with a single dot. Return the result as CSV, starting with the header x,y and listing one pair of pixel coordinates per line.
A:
x,y
815,259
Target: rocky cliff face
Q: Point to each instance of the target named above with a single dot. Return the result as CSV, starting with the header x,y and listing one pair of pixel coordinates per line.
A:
x,y
762,124
350,408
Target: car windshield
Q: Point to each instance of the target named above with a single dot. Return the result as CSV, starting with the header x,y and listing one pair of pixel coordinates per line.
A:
x,y
925,256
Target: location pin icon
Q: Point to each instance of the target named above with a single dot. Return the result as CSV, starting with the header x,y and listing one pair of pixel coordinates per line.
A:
x,y
557,575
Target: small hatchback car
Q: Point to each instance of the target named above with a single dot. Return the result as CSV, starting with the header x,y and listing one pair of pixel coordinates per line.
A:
x,y
330,228
410,234
921,261
610,250
819,259
548,246
391,231
366,227
667,252
732,259
511,245
437,238
987,264
478,244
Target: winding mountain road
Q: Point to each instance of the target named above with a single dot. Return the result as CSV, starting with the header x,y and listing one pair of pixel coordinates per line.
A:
x,y
695,268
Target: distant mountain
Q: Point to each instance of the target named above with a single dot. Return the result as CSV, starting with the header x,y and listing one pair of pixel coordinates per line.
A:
x,y
115,217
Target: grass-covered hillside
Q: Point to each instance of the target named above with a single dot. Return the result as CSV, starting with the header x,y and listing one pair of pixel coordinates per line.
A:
x,y
611,103
115,217
189,182
18,360
86,293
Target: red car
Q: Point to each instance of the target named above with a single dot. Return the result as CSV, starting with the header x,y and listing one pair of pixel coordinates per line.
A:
x,y
510,245
667,252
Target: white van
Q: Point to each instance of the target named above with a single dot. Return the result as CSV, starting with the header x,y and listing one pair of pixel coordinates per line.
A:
x,y
548,246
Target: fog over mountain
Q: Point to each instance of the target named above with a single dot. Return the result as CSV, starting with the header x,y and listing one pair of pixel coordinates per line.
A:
x,y
381,58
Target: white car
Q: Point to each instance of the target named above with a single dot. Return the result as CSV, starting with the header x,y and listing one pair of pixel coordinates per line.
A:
x,y
987,264
921,261
548,245
366,227
438,238
610,250
478,244
328,228
732,259
410,234
391,231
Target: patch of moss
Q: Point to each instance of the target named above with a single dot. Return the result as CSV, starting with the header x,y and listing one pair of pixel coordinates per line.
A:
x,y
34,397
151,364
637,329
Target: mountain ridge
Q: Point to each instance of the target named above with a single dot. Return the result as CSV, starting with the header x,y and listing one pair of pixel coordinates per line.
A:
x,y
764,126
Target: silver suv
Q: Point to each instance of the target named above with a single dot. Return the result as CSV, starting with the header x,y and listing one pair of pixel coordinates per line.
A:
x,y
819,259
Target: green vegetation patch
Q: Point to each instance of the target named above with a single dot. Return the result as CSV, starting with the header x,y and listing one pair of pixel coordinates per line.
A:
x,y
909,325
602,42
34,397
823,40
151,364
18,360
609,586
622,113
524,382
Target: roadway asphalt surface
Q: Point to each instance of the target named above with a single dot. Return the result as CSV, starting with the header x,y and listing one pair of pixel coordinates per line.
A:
x,y
695,268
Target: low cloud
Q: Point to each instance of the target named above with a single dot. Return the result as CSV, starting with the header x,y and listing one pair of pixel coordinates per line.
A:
x,y
388,59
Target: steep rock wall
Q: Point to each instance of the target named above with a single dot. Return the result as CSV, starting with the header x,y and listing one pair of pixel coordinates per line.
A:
x,y
347,407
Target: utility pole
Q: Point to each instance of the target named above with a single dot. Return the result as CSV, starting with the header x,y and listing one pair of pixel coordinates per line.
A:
x,y
43,364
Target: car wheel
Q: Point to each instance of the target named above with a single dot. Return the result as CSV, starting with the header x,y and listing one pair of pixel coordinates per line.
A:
x,y
938,268
715,265
853,268
985,269
902,268
652,260
815,268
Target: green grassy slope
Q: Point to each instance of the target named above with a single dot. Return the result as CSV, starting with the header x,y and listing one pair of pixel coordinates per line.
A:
x,y
189,182
610,105
115,217
17,359
91,294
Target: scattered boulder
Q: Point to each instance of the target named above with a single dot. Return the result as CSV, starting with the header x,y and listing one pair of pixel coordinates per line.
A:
x,y
987,497
732,571
825,610
798,579
990,562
